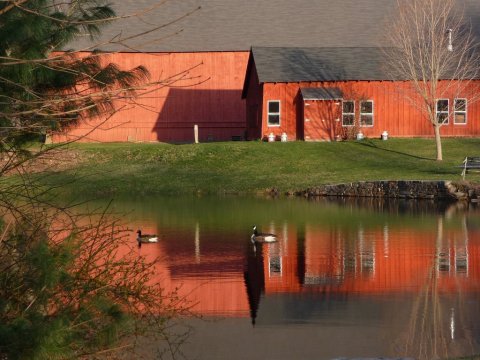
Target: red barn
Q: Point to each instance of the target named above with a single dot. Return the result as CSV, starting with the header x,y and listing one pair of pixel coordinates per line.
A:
x,y
201,48
204,90
331,92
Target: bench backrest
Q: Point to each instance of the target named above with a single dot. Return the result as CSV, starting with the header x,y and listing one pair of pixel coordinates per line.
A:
x,y
472,159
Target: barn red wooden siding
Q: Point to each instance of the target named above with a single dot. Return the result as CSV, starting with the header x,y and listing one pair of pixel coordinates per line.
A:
x,y
208,95
385,262
321,120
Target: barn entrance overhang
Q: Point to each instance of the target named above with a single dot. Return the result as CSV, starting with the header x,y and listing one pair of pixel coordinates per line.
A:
x,y
321,93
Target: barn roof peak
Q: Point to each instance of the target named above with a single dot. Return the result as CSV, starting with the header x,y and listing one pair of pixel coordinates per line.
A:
x,y
297,64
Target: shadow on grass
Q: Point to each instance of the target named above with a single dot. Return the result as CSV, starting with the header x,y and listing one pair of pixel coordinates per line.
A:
x,y
371,144
441,172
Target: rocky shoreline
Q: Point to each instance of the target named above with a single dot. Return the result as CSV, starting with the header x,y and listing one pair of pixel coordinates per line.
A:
x,y
433,190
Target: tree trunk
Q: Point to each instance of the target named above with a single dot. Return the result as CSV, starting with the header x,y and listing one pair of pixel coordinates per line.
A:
x,y
438,141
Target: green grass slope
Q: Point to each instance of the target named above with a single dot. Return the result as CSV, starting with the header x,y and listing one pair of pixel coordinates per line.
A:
x,y
247,167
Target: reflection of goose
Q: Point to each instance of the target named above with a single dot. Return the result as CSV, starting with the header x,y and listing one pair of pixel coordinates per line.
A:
x,y
262,237
145,238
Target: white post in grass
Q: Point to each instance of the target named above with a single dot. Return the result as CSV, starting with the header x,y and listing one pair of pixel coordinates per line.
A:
x,y
195,133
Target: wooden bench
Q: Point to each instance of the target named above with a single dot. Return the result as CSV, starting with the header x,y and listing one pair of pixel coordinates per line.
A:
x,y
470,163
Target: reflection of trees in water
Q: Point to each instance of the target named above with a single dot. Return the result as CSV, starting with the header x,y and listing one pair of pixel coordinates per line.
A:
x,y
437,318
397,206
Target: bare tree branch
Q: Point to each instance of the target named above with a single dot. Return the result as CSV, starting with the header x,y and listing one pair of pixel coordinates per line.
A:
x,y
435,52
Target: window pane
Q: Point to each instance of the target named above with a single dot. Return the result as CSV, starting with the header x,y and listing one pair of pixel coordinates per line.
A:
x,y
348,120
366,107
460,105
442,105
442,118
274,107
460,118
348,107
273,119
366,120
275,265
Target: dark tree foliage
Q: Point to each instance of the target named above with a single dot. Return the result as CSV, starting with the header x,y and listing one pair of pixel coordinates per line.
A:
x,y
70,286
76,289
45,86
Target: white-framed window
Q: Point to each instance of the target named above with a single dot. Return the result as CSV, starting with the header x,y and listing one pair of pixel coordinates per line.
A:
x,y
273,113
366,113
274,266
348,113
461,260
441,111
460,111
443,260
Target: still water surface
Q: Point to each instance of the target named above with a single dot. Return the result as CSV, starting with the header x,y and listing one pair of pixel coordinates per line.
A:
x,y
347,279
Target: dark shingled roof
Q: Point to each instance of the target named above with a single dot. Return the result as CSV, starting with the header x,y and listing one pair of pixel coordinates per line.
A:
x,y
236,25
330,93
319,64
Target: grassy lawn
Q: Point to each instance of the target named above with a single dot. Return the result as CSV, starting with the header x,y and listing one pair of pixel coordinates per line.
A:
x,y
126,168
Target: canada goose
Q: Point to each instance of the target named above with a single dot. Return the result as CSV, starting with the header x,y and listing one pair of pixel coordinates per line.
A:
x,y
262,237
145,238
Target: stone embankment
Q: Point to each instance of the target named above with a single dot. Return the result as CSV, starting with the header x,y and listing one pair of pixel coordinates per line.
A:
x,y
434,190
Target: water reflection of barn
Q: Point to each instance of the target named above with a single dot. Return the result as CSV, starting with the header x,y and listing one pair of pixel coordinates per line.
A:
x,y
332,264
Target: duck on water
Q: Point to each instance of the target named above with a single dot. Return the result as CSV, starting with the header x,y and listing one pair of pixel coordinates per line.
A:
x,y
145,238
262,237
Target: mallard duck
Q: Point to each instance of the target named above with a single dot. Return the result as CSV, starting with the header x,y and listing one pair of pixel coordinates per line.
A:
x,y
145,238
262,237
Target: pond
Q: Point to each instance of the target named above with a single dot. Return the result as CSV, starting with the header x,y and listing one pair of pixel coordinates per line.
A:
x,y
347,278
